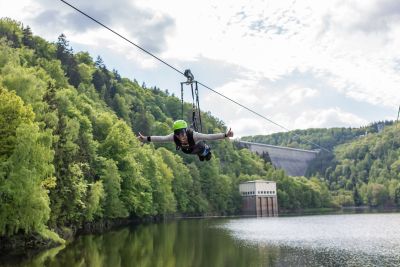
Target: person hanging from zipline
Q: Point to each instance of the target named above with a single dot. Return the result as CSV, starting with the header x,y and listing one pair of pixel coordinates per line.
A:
x,y
188,140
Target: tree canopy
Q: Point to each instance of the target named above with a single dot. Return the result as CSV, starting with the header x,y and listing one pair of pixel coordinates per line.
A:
x,y
69,152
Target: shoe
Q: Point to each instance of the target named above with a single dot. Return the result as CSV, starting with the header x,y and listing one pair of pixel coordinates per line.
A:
x,y
208,157
206,151
201,158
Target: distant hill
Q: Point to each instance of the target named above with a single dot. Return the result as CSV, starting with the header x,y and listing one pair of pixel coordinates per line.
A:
x,y
364,166
327,138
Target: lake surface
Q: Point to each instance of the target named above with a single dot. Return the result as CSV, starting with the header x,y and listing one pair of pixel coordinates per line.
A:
x,y
318,240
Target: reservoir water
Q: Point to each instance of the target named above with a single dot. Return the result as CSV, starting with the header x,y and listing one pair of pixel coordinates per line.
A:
x,y
318,240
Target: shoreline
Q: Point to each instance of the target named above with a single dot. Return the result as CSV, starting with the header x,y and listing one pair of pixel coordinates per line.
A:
x,y
27,246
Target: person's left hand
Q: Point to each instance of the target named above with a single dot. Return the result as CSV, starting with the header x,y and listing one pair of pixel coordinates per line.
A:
x,y
229,133
141,137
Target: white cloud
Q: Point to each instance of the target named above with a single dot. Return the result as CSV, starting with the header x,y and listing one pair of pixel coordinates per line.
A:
x,y
312,118
17,12
332,117
246,126
297,95
282,59
247,92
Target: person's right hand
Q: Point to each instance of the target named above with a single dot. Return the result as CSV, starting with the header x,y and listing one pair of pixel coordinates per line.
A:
x,y
141,137
229,133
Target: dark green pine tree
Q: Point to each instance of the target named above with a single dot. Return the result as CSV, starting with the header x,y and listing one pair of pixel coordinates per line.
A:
x,y
103,82
357,197
397,196
27,38
70,65
98,81
63,51
98,78
117,76
99,63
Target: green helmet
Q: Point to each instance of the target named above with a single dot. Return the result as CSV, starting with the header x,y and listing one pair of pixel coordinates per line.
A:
x,y
179,124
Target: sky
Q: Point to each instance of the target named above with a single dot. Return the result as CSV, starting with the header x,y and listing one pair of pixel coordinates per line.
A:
x,y
301,64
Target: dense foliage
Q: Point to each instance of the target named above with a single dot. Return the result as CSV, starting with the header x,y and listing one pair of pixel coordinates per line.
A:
x,y
363,167
69,153
369,168
309,138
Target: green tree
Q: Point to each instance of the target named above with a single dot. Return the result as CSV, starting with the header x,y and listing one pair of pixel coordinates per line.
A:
x,y
11,29
70,65
357,197
182,180
29,83
113,206
13,112
24,199
95,196
27,38
397,195
119,145
375,194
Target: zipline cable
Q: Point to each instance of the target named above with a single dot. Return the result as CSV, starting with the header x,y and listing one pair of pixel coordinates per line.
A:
x,y
172,67
126,39
252,111
262,116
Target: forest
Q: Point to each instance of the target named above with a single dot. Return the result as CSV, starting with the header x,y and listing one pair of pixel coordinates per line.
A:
x,y
69,154
363,167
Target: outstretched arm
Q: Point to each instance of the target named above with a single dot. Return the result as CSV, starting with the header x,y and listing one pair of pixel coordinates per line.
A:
x,y
229,133
156,139
207,137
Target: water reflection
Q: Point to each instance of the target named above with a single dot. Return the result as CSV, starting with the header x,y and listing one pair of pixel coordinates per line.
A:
x,y
340,240
182,243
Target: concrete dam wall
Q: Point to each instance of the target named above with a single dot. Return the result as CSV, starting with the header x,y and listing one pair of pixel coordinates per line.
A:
x,y
294,161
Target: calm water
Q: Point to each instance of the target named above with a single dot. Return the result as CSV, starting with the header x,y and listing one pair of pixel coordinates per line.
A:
x,y
323,240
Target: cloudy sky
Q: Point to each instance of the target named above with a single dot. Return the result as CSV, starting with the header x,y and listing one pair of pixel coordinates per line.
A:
x,y
301,64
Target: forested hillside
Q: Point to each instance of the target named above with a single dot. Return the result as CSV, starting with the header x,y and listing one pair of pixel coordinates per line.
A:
x,y
69,154
327,138
364,166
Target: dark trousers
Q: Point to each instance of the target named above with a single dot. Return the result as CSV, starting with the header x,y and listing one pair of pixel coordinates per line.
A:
x,y
199,149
